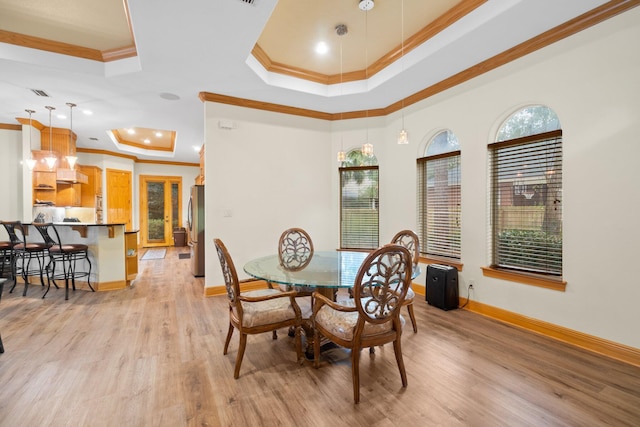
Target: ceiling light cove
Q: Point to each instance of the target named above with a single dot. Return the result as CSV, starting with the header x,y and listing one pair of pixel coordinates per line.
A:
x,y
141,140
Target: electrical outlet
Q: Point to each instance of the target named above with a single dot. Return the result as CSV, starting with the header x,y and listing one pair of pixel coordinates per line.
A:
x,y
471,283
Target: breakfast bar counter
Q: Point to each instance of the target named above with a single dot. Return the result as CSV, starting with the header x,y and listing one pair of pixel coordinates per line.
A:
x,y
106,244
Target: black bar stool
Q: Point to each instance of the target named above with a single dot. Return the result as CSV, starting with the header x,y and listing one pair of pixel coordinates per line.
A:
x,y
6,258
66,254
24,253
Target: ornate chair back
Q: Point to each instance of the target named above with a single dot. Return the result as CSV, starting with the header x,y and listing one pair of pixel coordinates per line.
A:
x,y
409,240
230,276
381,286
295,249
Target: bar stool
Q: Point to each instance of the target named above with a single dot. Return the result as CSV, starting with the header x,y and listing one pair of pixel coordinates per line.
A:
x,y
6,257
66,254
23,253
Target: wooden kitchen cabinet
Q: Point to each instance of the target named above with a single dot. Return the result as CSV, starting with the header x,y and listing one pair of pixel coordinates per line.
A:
x,y
44,186
131,255
69,194
62,141
92,190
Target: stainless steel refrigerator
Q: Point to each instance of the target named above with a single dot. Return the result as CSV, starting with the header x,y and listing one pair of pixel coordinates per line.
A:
x,y
195,222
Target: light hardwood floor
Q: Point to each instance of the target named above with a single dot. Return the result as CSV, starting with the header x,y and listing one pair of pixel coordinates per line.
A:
x,y
152,355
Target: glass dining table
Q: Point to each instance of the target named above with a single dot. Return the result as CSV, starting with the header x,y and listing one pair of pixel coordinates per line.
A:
x,y
326,272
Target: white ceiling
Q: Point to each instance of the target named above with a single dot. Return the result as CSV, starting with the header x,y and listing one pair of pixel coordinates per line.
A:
x,y
184,48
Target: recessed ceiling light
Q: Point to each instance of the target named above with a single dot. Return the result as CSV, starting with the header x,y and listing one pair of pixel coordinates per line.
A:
x,y
196,148
366,5
61,116
158,134
131,131
87,112
147,141
169,96
322,48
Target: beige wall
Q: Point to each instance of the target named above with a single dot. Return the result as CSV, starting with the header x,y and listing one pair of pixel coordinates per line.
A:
x,y
11,177
275,171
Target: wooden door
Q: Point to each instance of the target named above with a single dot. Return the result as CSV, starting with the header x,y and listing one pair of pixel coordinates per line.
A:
x,y
160,209
119,195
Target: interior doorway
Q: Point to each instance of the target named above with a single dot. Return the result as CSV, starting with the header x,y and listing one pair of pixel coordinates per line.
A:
x,y
160,209
119,194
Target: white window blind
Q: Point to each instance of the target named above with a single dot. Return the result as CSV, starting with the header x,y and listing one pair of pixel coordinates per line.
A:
x,y
359,212
439,204
526,211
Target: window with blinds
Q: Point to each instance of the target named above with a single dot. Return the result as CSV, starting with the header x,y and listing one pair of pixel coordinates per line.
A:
x,y
526,203
439,204
359,207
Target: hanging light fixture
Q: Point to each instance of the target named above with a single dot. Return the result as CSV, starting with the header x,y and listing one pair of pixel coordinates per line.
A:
x,y
31,162
341,30
71,159
403,137
367,147
51,159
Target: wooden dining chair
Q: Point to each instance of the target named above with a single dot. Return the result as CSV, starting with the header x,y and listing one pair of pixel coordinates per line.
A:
x,y
372,317
295,250
258,311
409,240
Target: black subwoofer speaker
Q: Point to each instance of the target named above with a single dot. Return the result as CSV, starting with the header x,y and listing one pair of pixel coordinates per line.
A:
x,y
442,286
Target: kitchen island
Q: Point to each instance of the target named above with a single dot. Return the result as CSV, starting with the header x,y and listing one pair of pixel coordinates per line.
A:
x,y
107,251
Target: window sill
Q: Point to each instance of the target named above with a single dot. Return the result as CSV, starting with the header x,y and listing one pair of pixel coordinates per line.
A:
x,y
555,284
443,261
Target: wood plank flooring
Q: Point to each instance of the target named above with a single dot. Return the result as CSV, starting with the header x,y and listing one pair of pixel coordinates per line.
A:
x,y
151,355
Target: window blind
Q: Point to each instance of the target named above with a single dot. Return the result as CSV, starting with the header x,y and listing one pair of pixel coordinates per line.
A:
x,y
439,204
526,205
359,207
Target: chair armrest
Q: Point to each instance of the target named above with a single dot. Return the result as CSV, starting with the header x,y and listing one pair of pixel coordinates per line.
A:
x,y
291,294
320,300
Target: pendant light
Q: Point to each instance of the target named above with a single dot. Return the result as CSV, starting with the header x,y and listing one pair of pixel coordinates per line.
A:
x,y
367,147
403,137
51,159
341,30
71,159
31,162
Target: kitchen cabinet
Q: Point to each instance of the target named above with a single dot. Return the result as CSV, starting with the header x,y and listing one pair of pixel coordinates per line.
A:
x,y
69,194
61,141
131,255
44,187
92,190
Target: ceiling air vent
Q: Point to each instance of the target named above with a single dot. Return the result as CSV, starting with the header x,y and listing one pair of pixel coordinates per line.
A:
x,y
248,1
40,92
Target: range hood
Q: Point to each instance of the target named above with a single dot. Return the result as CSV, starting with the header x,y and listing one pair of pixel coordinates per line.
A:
x,y
71,176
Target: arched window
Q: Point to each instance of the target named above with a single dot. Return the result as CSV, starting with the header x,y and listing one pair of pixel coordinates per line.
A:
x,y
359,202
439,197
526,192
